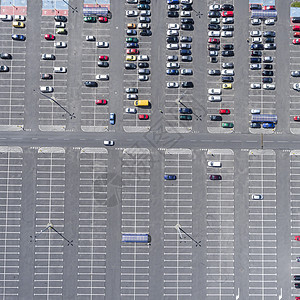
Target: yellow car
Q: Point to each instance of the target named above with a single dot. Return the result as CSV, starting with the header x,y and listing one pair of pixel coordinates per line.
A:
x,y
227,86
131,25
18,24
130,57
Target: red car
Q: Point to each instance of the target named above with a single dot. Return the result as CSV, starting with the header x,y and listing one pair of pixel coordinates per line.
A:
x,y
269,7
296,41
297,237
132,51
102,19
297,298
101,101
49,37
297,34
297,118
227,13
143,117
296,28
103,57
224,111
214,41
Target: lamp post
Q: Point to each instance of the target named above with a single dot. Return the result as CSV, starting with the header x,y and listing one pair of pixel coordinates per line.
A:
x,y
180,230
74,9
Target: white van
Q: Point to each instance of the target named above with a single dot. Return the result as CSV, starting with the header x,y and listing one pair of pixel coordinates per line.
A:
x,y
216,164
102,77
60,70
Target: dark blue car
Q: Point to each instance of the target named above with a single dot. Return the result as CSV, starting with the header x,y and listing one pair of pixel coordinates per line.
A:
x,y
170,177
172,72
132,45
112,118
185,52
185,110
172,1
18,37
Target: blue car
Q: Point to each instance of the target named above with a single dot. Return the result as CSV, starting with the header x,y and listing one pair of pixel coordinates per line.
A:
x,y
112,118
268,125
18,37
172,1
170,177
172,72
185,52
185,110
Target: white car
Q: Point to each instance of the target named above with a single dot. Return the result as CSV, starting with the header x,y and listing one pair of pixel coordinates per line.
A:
x,y
216,164
46,89
130,110
20,18
173,65
255,33
59,70
102,44
269,86
255,86
173,7
132,1
214,33
108,143
172,32
228,20
268,59
60,25
144,26
296,86
255,66
185,46
269,22
186,1
173,26
47,56
60,45
255,21
214,91
257,197
185,13
255,111
215,21
172,85
172,46
131,13
102,77
145,13
215,7
227,34
227,72
172,58
132,96
143,57
143,77
90,38
6,17
145,20
215,98
186,72
257,40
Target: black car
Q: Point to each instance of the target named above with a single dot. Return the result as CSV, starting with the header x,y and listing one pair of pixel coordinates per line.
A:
x,y
213,47
257,47
228,27
255,6
4,68
187,21
173,14
268,67
267,73
297,277
60,18
216,118
255,60
256,53
185,52
214,59
186,7
91,83
215,177
255,125
269,34
269,40
297,285
130,66
228,47
145,32
5,55
103,64
143,65
296,19
46,76
267,80
214,14
187,27
187,84
214,72
227,79
187,39
214,27
185,110
229,7
228,53
172,39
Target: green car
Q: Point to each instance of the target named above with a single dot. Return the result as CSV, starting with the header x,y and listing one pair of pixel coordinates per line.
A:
x,y
89,19
227,125
185,117
132,40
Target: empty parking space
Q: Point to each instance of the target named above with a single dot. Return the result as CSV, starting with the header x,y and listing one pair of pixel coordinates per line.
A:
x,y
10,218
49,209
92,223
95,117
177,211
220,272
262,225
12,83
51,115
135,219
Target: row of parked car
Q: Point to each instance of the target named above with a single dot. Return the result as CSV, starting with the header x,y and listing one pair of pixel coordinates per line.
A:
x,y
221,20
